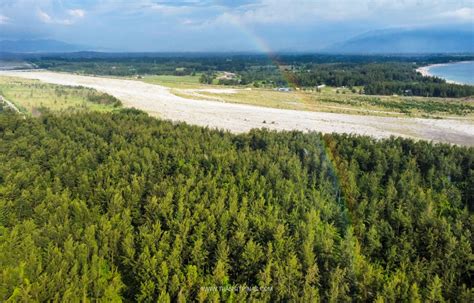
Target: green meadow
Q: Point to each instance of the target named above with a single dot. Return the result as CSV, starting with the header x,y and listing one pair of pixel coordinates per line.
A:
x,y
184,82
338,100
32,97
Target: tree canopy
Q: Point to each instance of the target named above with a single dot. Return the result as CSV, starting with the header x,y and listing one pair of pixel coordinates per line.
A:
x,y
121,206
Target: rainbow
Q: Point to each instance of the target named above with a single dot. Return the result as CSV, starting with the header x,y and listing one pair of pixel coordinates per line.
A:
x,y
263,47
327,156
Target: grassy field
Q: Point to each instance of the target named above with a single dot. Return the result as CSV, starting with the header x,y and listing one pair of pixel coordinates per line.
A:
x,y
328,99
32,96
341,101
184,82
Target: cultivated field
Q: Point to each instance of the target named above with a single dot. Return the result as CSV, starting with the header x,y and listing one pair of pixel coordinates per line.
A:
x,y
160,101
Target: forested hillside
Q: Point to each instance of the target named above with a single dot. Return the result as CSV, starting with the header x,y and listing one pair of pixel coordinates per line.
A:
x,y
121,206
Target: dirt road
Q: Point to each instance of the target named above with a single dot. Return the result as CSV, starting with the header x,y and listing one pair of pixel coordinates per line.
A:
x,y
9,104
159,101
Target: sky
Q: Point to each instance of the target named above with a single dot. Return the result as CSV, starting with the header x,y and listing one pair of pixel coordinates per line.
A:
x,y
225,25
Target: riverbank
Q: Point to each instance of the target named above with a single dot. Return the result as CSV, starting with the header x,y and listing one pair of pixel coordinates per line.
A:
x,y
160,101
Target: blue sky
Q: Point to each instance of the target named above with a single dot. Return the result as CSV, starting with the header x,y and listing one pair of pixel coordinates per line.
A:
x,y
212,25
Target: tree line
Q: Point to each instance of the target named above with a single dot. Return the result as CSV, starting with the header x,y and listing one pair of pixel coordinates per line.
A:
x,y
380,75
375,78
425,89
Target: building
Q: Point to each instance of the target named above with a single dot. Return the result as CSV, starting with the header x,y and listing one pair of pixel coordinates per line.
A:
x,y
227,76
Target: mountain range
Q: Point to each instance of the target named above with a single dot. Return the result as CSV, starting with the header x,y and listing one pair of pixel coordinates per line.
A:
x,y
392,41
428,40
39,46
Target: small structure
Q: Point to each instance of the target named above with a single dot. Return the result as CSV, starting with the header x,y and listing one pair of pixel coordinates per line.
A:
x,y
285,67
284,89
227,76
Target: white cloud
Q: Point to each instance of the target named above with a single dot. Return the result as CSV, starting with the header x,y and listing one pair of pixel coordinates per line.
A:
x,y
188,22
170,10
4,19
462,14
381,11
197,21
74,16
78,13
44,17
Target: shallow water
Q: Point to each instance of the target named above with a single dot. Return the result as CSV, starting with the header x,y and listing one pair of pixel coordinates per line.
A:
x,y
460,72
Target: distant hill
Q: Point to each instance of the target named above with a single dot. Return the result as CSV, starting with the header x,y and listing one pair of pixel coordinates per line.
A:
x,y
408,41
39,46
